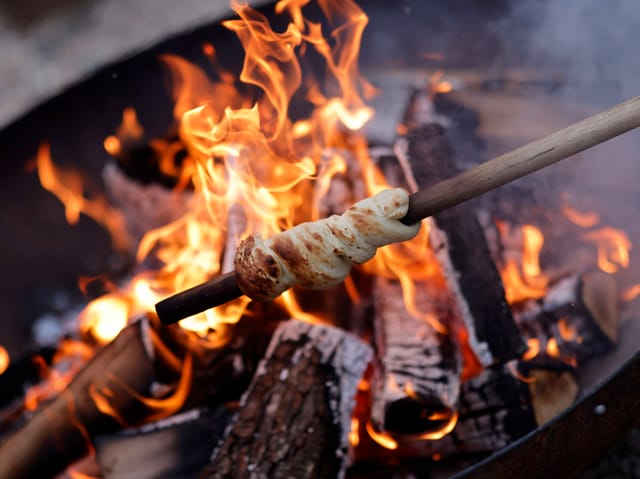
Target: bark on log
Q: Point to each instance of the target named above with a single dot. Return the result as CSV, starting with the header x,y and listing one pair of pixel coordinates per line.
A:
x,y
580,314
463,253
60,433
416,380
295,417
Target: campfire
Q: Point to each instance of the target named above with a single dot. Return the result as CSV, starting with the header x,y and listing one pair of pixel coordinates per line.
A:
x,y
448,346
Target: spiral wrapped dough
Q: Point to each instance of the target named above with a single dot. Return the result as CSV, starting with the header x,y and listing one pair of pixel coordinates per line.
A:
x,y
319,254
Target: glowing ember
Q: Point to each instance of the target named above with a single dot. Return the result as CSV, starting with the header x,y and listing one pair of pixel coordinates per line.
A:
x,y
613,248
552,348
383,439
4,359
451,419
354,433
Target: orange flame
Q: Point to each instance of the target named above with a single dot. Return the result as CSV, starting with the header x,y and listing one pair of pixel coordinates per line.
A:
x,y
567,332
252,169
613,248
67,185
105,317
129,129
533,349
157,408
68,360
4,359
631,293
579,218
531,283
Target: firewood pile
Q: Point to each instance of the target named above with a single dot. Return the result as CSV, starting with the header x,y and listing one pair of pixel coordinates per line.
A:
x,y
468,340
457,371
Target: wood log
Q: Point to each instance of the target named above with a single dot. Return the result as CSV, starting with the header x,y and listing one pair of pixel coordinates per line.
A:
x,y
497,407
416,379
579,316
19,376
463,253
295,417
61,433
179,446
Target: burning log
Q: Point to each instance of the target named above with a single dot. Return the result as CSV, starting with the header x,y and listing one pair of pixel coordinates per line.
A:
x,y
417,379
176,447
60,433
496,407
578,318
295,417
462,251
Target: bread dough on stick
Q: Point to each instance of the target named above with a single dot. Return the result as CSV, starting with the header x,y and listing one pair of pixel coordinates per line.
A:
x,y
320,254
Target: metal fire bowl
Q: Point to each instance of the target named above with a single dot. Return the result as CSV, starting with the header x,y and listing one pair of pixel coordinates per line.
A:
x,y
40,255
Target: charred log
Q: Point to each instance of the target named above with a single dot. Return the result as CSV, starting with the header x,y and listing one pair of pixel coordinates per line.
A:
x,y
579,316
176,447
294,419
417,375
60,433
463,253
497,407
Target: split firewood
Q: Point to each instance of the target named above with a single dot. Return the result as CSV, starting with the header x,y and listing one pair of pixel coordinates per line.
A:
x,y
578,317
61,433
416,379
461,249
496,407
295,417
179,446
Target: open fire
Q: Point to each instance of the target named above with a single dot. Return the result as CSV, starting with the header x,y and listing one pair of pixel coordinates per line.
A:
x,y
260,151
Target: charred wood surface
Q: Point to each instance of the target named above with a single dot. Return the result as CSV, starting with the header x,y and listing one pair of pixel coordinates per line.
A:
x,y
579,314
61,432
497,407
462,250
178,447
417,375
294,419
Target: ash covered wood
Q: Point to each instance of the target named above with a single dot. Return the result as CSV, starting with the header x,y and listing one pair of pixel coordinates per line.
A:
x,y
294,418
417,375
463,253
61,432
145,206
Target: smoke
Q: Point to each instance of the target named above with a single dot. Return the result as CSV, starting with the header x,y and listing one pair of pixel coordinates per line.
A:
x,y
594,44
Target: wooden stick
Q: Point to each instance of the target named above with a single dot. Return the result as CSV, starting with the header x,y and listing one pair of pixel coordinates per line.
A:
x,y
468,184
524,160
